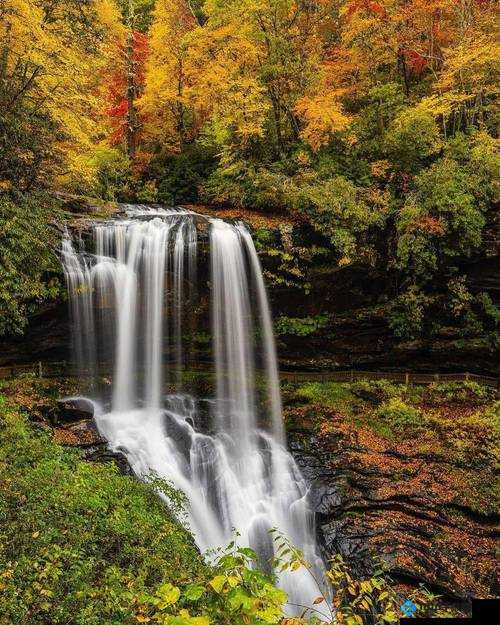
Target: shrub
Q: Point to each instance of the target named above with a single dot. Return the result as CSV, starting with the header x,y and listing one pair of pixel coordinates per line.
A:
x,y
407,313
412,137
29,266
376,391
300,327
460,392
399,416
79,540
331,394
440,220
112,172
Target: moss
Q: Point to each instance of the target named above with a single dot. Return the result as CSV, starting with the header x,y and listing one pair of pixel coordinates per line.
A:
x,y
454,392
290,326
377,391
331,394
395,416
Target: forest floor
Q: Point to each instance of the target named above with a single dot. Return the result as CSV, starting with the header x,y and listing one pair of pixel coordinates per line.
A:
x,y
406,473
403,473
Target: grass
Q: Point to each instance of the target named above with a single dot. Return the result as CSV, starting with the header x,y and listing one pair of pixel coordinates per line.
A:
x,y
331,394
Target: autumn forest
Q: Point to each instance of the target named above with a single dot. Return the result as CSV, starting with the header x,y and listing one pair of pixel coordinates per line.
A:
x,y
373,122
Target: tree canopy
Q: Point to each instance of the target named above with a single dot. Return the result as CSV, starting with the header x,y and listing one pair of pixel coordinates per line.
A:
x,y
375,122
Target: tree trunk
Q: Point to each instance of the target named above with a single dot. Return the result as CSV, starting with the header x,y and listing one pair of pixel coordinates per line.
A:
x,y
131,131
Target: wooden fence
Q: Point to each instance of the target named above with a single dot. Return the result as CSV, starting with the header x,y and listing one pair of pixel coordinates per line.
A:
x,y
58,369
399,377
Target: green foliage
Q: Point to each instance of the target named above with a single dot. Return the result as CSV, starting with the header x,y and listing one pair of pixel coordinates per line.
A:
x,y
382,105
238,594
452,392
29,266
337,209
412,138
396,415
288,256
407,313
238,183
179,176
78,541
332,394
378,391
112,167
439,221
300,327
28,156
140,12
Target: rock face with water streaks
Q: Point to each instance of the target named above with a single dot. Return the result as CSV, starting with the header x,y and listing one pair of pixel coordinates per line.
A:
x,y
356,298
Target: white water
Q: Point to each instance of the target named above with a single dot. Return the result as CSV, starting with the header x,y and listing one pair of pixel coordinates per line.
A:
x,y
133,302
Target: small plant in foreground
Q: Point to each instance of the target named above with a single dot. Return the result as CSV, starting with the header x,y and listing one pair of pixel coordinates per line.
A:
x,y
344,600
238,594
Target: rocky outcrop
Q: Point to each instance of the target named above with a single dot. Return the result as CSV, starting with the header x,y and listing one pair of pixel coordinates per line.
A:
x,y
428,513
354,298
71,409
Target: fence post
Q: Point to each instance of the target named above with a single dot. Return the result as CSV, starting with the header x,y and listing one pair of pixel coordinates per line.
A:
x,y
407,378
467,375
436,377
40,371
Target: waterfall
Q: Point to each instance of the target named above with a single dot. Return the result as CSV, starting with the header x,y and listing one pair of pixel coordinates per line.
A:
x,y
134,298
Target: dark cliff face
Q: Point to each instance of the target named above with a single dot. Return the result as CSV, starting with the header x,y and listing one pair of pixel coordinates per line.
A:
x,y
356,338
424,498
354,301
47,338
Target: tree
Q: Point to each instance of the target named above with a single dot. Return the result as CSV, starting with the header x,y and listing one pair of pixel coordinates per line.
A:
x,y
165,104
52,57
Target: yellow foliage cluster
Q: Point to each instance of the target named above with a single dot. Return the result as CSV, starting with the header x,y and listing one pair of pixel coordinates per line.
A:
x,y
323,115
248,61
292,63
61,69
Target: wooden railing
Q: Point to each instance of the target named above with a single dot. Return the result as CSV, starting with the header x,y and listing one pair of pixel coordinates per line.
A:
x,y
59,369
399,377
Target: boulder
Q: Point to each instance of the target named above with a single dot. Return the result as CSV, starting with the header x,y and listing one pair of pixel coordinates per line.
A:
x,y
73,409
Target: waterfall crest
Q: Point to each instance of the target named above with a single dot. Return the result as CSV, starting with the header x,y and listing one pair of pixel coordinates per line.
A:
x,y
134,296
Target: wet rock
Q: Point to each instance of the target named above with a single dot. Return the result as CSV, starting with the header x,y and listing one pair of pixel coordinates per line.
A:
x,y
101,453
74,409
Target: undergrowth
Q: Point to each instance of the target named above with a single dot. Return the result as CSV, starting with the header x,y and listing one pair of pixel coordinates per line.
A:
x,y
81,544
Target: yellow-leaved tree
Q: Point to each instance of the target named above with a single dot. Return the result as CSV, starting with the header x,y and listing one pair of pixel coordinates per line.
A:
x,y
52,61
165,104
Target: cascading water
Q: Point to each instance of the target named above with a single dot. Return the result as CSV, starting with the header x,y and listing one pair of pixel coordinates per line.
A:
x,y
133,301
